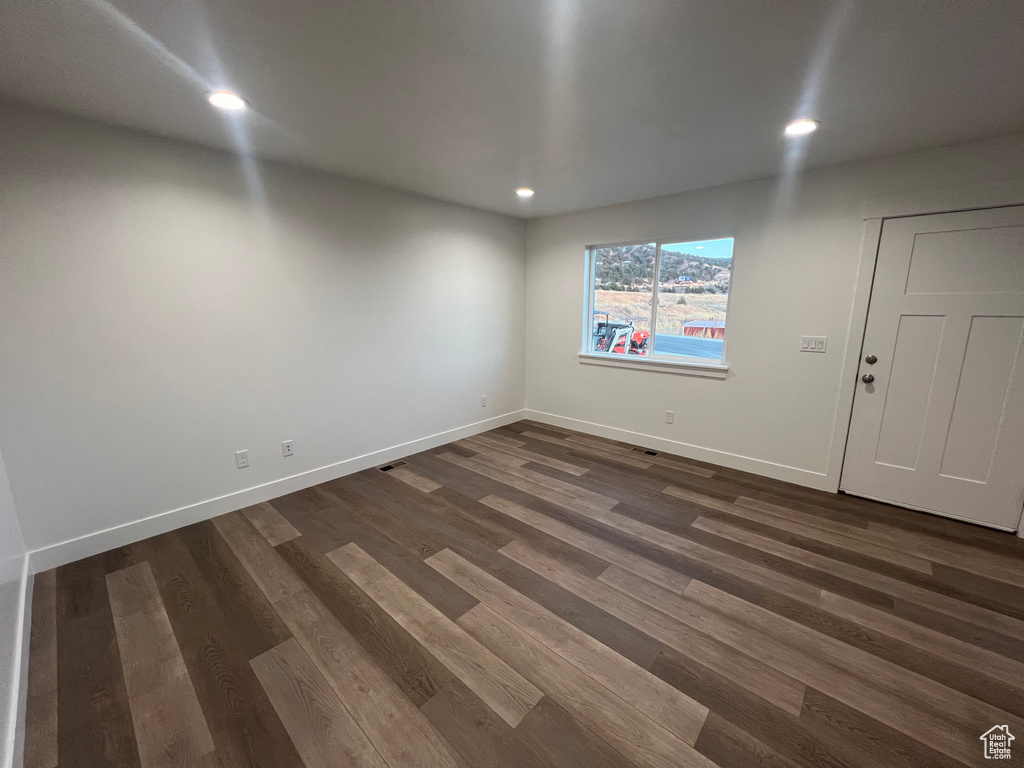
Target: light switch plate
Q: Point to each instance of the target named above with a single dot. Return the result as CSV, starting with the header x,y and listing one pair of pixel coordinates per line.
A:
x,y
813,343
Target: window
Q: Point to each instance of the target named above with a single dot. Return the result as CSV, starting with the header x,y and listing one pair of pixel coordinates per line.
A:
x,y
690,281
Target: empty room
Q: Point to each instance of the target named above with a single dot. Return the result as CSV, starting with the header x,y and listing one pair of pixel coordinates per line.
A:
x,y
525,384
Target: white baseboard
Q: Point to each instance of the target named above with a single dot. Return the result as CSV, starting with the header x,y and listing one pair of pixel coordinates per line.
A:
x,y
13,736
805,477
101,541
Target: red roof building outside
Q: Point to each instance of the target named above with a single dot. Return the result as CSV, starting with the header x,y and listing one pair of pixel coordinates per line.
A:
x,y
705,329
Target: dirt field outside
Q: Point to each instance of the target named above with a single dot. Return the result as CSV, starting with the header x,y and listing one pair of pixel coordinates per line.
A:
x,y
625,306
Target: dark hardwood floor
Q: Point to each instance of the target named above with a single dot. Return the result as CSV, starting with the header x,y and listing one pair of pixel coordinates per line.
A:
x,y
535,597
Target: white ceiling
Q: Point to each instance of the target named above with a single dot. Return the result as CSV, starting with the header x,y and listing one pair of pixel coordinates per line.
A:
x,y
589,101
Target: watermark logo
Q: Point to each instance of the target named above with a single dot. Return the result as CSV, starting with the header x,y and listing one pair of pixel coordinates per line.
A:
x,y
997,742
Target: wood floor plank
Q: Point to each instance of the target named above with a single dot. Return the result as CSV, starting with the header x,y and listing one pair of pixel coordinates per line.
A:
x,y
270,523
914,705
407,663
897,588
239,597
489,455
306,500
659,574
449,475
405,506
1006,568
511,529
608,593
975,634
633,734
548,737
93,715
482,738
660,702
512,480
216,651
782,731
869,742
771,515
416,481
548,488
498,685
500,439
607,629
255,553
980,659
395,726
554,733
332,529
150,656
608,455
487,443
629,461
706,556
639,497
344,496
170,727
658,459
41,705
729,746
321,728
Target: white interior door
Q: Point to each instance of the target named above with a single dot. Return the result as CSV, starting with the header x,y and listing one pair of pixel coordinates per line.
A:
x,y
941,426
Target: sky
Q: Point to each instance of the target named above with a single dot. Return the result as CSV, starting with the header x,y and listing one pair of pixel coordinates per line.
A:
x,y
712,249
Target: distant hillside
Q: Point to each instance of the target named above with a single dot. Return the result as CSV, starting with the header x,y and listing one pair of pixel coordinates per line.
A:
x,y
632,266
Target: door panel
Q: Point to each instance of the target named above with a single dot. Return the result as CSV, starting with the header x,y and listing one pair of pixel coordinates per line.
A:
x,y
990,364
941,427
938,265
911,379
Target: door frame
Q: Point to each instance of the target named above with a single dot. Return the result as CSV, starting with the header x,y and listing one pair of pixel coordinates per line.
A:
x,y
874,212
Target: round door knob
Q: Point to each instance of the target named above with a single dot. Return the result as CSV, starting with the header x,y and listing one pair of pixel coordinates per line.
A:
x,y
870,359
867,378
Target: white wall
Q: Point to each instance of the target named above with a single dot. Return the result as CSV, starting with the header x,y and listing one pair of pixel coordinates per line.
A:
x,y
796,266
158,313
12,588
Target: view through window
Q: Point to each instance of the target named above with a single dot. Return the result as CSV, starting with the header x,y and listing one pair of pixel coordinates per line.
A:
x,y
692,290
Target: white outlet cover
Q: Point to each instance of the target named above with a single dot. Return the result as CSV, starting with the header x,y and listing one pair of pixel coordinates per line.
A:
x,y
670,417
813,343
242,459
286,448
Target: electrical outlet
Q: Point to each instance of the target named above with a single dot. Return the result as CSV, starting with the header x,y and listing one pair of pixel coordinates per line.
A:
x,y
242,459
813,343
286,448
483,401
670,417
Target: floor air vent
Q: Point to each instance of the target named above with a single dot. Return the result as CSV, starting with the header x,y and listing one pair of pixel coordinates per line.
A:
x,y
393,465
646,451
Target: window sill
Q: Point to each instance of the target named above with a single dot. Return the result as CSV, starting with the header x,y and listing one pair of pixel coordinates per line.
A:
x,y
684,368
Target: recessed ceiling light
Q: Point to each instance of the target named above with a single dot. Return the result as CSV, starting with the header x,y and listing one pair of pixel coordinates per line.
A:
x,y
226,100
524,192
801,127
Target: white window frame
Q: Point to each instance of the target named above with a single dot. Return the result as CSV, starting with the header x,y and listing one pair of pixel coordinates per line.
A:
x,y
691,366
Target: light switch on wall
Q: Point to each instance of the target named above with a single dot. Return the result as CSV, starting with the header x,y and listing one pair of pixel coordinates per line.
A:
x,y
813,343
